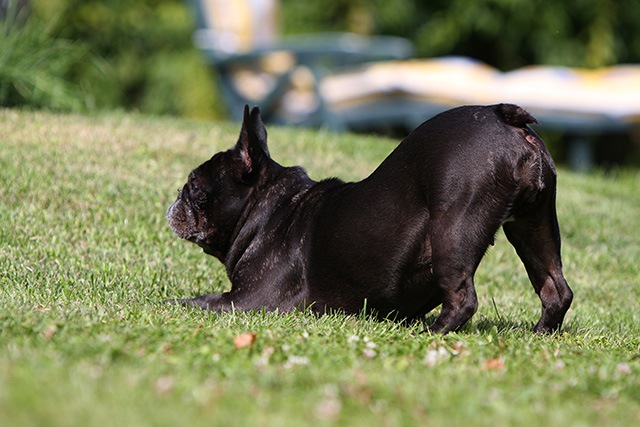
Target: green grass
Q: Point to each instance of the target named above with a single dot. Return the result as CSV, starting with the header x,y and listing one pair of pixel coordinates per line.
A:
x,y
86,259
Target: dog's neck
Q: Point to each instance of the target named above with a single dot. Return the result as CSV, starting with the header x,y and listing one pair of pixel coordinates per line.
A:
x,y
278,199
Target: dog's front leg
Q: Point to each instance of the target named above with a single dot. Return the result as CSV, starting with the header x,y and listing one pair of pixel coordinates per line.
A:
x,y
213,302
458,306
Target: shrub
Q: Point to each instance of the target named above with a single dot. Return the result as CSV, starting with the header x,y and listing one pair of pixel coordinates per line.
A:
x,y
35,67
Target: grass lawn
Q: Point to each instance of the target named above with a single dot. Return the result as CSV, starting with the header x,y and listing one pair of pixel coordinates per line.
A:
x,y
86,259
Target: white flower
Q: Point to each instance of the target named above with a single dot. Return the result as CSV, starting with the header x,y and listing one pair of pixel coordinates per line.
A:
x,y
296,360
624,368
435,355
330,405
264,358
369,353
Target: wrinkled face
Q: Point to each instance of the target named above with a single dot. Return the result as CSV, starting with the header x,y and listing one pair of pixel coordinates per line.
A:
x,y
210,204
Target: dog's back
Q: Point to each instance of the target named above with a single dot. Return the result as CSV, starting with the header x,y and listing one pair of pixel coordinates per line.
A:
x,y
412,234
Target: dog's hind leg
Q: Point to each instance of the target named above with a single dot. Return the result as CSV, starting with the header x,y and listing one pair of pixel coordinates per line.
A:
x,y
459,303
536,238
456,255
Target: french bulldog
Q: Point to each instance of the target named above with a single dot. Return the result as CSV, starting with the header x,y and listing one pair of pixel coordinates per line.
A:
x,y
399,243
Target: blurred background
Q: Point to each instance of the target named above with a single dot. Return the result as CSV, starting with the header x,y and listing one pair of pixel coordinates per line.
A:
x,y
96,55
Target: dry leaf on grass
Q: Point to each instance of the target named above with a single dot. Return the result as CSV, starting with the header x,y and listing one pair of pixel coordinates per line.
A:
x,y
49,332
494,364
244,340
163,385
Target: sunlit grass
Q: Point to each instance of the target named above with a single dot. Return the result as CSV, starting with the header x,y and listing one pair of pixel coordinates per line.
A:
x,y
86,259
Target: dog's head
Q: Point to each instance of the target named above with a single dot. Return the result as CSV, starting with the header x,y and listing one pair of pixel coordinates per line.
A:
x,y
212,201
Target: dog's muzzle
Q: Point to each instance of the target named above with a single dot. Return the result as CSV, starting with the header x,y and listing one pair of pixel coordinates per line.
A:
x,y
177,217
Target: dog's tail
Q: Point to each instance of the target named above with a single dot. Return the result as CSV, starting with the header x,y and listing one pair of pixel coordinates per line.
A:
x,y
514,115
538,169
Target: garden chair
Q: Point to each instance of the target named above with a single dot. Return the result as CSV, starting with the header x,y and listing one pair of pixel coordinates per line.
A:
x,y
578,103
282,75
344,81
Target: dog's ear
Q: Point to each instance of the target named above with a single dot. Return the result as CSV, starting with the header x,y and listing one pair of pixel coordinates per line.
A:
x,y
260,132
252,143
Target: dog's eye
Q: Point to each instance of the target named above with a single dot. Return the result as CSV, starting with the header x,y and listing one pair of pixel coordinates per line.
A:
x,y
195,192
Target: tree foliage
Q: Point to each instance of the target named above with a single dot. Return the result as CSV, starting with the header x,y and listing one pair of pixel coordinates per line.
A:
x,y
139,54
504,33
148,62
34,65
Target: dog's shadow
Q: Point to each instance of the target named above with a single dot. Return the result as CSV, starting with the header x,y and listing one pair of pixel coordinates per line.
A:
x,y
483,326
499,325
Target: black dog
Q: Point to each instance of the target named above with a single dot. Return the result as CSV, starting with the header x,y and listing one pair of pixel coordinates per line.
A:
x,y
401,242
